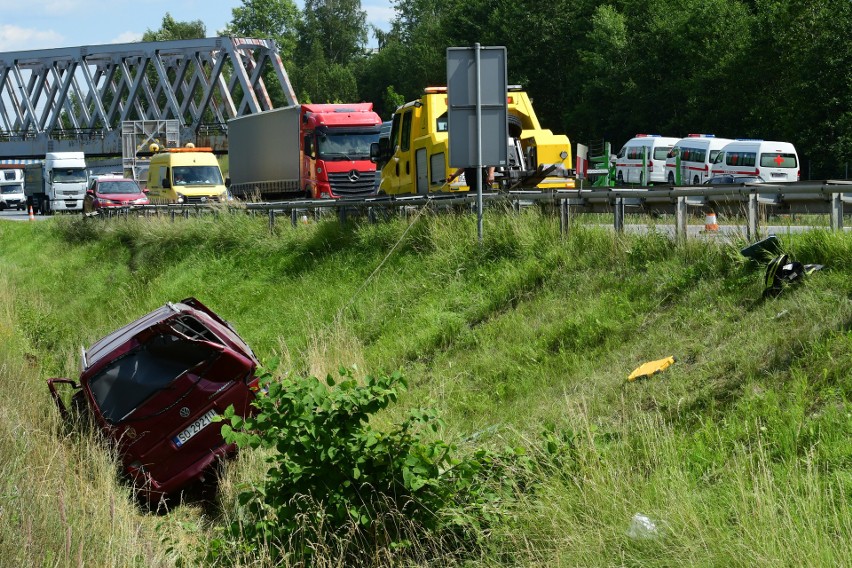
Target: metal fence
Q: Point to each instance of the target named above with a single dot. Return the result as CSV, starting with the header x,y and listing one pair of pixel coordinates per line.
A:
x,y
751,201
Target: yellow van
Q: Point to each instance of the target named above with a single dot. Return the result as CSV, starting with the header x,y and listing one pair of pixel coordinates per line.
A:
x,y
185,175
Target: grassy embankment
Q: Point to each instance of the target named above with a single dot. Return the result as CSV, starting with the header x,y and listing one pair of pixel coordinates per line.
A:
x,y
740,450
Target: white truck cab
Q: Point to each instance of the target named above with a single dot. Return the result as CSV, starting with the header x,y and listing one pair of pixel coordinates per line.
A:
x,y
57,183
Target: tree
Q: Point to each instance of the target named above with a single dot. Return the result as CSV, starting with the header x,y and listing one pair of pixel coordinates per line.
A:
x,y
273,19
172,29
337,27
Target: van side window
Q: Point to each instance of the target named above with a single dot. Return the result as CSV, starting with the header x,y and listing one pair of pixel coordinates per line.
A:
x,y
622,152
405,143
741,158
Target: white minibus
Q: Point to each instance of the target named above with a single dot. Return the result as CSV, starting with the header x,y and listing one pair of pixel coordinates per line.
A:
x,y
695,153
642,159
769,160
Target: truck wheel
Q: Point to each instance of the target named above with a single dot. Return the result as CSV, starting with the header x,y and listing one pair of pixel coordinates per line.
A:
x,y
695,181
671,178
45,207
620,178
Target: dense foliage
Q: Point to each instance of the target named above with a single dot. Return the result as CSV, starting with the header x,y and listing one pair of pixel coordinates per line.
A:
x,y
771,69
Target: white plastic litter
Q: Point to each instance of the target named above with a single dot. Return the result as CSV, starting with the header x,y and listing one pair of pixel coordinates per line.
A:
x,y
642,527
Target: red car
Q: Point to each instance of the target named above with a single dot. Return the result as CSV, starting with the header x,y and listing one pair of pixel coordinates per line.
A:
x,y
154,387
113,191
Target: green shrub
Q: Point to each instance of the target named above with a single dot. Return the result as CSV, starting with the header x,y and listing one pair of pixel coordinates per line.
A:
x,y
333,473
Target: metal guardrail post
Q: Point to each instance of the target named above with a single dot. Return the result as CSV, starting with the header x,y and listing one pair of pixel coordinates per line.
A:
x,y
173,212
564,217
836,212
618,222
371,215
752,217
681,216
271,220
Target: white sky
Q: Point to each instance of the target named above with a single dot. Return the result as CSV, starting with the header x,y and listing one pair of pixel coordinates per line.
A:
x,y
45,24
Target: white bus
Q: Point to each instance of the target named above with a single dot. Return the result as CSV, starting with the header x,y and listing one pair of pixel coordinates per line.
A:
x,y
695,153
642,159
768,160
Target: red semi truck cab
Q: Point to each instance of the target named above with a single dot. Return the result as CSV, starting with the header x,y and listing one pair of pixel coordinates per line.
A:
x,y
317,151
336,151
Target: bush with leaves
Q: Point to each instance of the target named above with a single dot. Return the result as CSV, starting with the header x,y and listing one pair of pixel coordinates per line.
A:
x,y
330,466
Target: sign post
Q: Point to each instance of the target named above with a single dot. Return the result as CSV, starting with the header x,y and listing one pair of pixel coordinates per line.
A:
x,y
478,127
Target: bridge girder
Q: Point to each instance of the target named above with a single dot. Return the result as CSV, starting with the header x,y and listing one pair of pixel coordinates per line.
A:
x,y
76,98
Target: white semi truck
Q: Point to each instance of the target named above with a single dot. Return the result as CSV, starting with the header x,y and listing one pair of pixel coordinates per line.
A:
x,y
57,183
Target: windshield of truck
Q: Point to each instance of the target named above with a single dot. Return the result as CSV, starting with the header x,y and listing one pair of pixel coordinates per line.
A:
x,y
130,380
69,175
348,146
197,175
5,189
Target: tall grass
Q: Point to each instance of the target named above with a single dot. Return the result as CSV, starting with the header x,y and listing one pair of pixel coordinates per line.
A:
x,y
739,451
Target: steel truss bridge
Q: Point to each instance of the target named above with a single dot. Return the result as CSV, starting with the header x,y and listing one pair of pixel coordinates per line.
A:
x,y
76,98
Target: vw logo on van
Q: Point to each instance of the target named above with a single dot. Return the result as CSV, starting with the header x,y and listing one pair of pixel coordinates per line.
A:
x,y
184,412
354,175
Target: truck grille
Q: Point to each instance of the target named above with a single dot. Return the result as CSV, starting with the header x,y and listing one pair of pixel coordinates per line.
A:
x,y
353,183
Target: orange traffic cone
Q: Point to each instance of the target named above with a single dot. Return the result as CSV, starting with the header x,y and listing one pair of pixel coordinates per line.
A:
x,y
32,216
710,225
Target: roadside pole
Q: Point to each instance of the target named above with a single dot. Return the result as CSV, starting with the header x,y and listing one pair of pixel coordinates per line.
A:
x,y
477,113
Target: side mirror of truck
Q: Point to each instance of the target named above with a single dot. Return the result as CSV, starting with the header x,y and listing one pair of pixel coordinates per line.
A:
x,y
380,152
228,182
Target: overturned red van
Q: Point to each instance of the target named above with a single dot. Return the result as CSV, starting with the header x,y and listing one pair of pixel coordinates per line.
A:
x,y
154,387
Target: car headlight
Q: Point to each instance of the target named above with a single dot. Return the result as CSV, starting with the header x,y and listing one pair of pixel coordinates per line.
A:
x,y
180,198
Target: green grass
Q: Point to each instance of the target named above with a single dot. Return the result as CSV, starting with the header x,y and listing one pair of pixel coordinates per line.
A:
x,y
740,450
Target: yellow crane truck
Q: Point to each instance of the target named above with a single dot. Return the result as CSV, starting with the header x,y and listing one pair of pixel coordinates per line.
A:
x,y
414,159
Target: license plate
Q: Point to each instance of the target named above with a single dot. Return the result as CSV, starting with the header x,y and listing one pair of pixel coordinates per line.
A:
x,y
778,175
194,428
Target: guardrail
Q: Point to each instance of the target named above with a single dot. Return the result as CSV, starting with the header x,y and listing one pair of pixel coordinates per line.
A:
x,y
752,200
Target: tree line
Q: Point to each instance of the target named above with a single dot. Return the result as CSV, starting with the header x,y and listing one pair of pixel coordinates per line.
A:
x,y
596,70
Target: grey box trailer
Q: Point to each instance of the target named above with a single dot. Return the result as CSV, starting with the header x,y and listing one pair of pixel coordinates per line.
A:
x,y
264,154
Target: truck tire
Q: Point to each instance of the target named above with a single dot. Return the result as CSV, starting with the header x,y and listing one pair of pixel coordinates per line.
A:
x,y
620,178
671,178
45,207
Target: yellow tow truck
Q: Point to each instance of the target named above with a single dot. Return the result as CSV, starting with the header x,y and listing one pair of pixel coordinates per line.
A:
x,y
414,159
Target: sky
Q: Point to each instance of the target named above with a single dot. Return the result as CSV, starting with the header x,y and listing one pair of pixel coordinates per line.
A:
x,y
46,24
